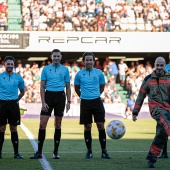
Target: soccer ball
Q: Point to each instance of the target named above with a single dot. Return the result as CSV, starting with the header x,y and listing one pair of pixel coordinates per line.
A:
x,y
115,129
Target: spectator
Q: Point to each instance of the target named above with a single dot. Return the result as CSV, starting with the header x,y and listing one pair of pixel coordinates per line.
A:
x,y
157,25
3,22
3,8
98,65
113,70
129,106
92,12
122,72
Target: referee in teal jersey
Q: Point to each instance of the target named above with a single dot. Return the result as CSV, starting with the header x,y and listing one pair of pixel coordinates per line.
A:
x,y
10,83
89,84
54,78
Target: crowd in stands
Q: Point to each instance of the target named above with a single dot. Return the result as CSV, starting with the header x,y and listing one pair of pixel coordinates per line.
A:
x,y
93,15
3,15
133,77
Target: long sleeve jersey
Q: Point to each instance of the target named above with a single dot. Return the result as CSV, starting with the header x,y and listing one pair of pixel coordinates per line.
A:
x,y
158,91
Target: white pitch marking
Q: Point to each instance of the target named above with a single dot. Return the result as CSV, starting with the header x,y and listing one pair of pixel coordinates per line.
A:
x,y
44,163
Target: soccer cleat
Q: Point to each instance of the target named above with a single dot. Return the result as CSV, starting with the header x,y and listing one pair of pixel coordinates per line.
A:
x,y
151,164
89,154
105,155
56,156
18,156
37,155
163,155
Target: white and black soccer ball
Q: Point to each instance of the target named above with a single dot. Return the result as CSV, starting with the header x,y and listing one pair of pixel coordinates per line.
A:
x,y
115,129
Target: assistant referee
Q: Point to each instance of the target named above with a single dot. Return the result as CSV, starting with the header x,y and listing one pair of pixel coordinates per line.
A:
x,y
10,83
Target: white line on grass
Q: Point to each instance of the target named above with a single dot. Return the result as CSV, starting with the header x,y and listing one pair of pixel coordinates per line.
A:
x,y
44,163
82,152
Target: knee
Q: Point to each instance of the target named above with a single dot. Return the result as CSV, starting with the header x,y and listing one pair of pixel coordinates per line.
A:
x,y
87,127
2,128
13,128
100,126
57,126
42,126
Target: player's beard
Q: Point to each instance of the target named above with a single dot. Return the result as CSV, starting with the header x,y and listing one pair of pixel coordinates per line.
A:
x,y
88,66
9,70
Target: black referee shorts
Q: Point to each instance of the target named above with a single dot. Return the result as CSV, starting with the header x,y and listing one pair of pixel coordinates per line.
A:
x,y
91,108
9,112
56,101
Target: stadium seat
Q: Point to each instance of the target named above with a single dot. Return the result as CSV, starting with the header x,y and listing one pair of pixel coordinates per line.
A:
x,y
14,27
14,2
14,7
140,24
14,20
132,24
14,13
148,26
124,24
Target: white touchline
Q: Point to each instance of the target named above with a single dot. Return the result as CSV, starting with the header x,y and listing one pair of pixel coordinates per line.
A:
x,y
44,163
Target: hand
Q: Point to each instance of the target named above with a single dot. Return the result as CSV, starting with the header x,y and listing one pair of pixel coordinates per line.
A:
x,y
45,107
134,118
67,107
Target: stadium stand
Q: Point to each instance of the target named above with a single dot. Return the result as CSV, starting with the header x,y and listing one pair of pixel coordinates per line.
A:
x,y
14,15
74,15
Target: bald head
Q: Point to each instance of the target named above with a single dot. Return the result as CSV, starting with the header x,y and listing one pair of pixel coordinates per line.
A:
x,y
160,60
159,66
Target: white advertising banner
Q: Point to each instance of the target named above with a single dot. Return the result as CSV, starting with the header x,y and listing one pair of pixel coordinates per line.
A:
x,y
45,41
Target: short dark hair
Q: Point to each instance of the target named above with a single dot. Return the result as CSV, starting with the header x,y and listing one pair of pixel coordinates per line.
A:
x,y
88,53
55,50
9,58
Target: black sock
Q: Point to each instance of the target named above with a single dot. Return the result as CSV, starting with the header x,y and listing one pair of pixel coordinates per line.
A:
x,y
88,139
57,137
102,139
1,141
41,138
15,142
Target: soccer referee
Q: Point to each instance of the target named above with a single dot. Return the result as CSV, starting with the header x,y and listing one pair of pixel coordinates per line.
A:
x,y
10,83
89,84
54,78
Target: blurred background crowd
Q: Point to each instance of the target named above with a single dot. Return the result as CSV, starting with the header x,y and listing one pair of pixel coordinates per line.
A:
x,y
117,75
91,15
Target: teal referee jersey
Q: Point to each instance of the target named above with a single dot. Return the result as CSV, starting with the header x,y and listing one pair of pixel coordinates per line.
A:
x,y
55,77
9,85
89,82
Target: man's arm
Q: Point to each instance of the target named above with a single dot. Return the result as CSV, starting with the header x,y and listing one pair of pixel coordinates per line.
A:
x,y
77,90
68,94
68,91
102,88
21,94
42,93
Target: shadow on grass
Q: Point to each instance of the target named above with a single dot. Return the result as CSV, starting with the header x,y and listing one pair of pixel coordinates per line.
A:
x,y
126,154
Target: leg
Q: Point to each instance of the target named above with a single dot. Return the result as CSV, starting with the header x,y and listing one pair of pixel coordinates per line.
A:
x,y
15,141
102,139
41,136
57,136
88,140
157,145
165,120
42,131
2,132
164,153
